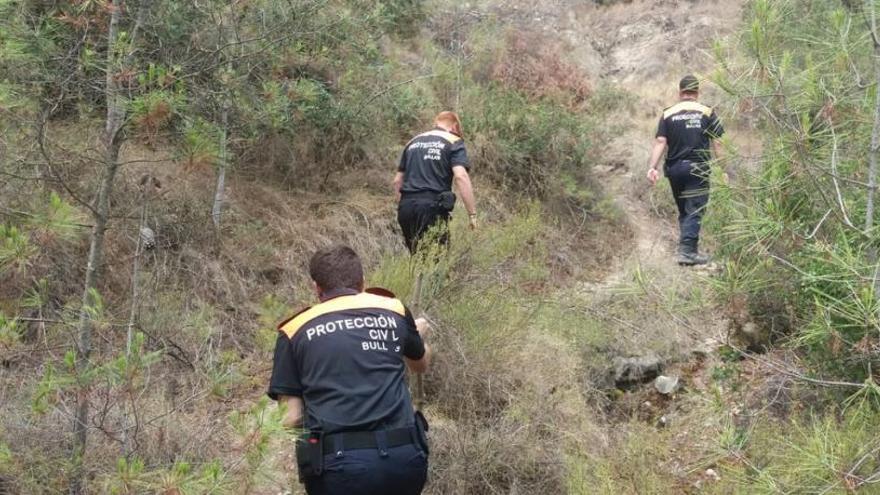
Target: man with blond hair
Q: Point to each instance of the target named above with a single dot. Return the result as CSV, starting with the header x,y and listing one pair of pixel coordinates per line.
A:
x,y
429,165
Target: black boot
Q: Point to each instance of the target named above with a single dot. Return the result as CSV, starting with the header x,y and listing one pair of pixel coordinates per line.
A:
x,y
688,255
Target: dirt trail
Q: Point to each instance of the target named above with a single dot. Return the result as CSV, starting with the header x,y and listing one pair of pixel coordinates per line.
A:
x,y
643,47
646,47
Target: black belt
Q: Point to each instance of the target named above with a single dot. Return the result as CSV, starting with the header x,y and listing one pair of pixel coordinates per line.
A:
x,y
352,440
420,195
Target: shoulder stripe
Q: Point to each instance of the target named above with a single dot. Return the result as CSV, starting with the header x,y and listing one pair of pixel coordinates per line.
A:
x,y
379,291
452,138
687,106
288,320
363,300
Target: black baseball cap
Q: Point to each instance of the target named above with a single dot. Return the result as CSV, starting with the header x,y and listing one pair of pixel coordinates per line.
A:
x,y
689,83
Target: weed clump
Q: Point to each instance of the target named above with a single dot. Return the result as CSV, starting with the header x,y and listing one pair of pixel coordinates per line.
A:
x,y
506,396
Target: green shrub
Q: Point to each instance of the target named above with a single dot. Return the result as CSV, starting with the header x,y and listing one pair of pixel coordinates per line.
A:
x,y
635,466
804,263
16,249
526,145
823,454
520,418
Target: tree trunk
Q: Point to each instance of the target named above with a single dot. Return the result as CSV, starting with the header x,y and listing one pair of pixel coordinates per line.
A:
x,y
84,342
875,146
220,191
115,119
127,425
419,401
875,135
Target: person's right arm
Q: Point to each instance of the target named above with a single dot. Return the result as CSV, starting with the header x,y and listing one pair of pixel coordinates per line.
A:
x,y
466,191
421,364
284,385
716,149
294,416
397,184
654,162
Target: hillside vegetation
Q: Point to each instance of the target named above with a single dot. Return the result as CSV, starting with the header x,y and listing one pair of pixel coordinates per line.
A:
x,y
168,167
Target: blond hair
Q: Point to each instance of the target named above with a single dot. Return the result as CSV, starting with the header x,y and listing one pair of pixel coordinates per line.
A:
x,y
449,120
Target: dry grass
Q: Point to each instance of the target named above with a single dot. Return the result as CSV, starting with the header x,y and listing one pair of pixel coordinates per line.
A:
x,y
532,64
506,395
203,300
513,396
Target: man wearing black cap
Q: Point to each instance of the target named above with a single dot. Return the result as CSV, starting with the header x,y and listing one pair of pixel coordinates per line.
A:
x,y
690,132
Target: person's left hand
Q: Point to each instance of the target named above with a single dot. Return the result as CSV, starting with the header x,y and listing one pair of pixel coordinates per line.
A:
x,y
653,176
472,221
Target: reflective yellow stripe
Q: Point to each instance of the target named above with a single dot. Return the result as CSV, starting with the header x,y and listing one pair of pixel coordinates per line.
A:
x,y
342,303
452,138
687,106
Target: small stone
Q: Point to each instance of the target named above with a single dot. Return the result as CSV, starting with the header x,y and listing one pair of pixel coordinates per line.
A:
x,y
148,237
713,475
666,385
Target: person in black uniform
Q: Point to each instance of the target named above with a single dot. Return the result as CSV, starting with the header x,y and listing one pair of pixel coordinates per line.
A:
x,y
690,132
428,166
339,368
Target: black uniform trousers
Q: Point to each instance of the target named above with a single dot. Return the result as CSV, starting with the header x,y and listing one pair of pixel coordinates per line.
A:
x,y
690,188
417,213
399,470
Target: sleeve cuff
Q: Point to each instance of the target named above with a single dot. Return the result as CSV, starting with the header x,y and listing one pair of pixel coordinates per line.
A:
x,y
416,356
275,392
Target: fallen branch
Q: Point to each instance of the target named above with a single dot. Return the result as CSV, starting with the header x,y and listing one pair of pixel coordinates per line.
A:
x,y
818,225
834,174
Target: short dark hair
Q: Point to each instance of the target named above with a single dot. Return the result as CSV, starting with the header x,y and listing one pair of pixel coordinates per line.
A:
x,y
337,267
689,84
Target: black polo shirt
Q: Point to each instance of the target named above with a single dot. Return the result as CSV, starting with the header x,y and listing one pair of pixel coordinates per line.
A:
x,y
427,161
344,357
689,128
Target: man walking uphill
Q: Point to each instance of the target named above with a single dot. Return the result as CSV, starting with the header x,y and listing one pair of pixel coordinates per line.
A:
x,y
339,367
428,166
688,129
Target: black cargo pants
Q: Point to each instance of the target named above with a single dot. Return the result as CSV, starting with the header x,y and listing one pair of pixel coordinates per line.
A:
x,y
393,471
417,213
690,188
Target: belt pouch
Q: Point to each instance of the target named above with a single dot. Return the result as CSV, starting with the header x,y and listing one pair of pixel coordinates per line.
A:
x,y
446,200
421,427
310,455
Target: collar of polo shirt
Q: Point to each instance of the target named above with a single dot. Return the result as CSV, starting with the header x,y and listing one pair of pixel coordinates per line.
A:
x,y
334,293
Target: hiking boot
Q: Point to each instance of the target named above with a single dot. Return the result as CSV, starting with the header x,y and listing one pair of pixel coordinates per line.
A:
x,y
692,258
